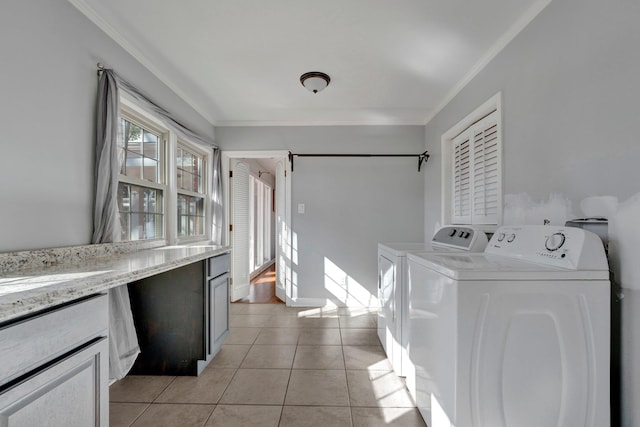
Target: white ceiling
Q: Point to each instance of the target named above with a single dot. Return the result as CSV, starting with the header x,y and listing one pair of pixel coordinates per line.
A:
x,y
238,62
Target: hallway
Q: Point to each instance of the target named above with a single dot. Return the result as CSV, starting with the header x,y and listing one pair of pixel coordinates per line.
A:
x,y
309,367
262,289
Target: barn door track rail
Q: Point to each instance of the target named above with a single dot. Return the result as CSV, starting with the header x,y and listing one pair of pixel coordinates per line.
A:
x,y
422,158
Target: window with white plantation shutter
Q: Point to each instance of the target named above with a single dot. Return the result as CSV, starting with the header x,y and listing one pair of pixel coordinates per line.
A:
x,y
476,169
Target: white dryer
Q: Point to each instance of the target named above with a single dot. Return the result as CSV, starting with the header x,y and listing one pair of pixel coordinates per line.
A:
x,y
516,336
393,295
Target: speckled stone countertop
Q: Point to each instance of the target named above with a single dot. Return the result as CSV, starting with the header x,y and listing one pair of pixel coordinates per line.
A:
x,y
35,280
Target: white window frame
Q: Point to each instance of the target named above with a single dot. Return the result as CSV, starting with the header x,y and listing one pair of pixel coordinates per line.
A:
x,y
206,162
447,148
130,112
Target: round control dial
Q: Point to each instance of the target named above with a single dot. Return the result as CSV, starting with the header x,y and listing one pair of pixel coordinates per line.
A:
x,y
555,241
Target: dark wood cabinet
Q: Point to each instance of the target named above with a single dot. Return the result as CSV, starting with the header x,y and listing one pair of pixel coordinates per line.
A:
x,y
181,317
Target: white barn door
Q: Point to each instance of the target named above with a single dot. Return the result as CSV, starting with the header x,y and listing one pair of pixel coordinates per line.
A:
x,y
239,229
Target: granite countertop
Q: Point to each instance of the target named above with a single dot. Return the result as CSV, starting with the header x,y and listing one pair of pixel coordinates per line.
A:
x,y
39,284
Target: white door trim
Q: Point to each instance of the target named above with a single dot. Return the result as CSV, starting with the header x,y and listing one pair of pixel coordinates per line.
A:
x,y
226,157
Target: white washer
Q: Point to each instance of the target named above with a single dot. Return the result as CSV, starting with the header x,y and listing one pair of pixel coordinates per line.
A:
x,y
516,336
393,294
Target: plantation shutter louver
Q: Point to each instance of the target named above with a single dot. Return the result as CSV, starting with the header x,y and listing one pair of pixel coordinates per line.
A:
x,y
485,172
476,173
461,181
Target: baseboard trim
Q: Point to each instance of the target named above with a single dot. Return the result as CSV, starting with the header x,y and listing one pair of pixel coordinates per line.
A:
x,y
239,291
262,269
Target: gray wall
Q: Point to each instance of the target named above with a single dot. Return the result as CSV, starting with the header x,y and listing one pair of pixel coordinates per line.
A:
x,y
48,83
351,204
570,103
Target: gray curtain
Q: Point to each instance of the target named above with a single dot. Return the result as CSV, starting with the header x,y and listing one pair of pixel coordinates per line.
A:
x,y
106,224
123,342
217,200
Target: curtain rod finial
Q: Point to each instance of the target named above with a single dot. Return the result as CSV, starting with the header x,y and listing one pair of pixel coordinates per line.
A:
x,y
100,68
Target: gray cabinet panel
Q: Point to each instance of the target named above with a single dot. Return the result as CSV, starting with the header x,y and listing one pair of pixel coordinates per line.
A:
x,y
71,392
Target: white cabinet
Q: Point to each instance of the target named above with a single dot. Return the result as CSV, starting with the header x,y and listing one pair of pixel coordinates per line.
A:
x,y
54,369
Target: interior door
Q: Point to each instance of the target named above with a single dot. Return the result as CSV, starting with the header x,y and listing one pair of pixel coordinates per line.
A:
x,y
239,229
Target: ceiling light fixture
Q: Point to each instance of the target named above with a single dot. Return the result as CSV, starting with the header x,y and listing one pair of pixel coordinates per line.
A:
x,y
315,81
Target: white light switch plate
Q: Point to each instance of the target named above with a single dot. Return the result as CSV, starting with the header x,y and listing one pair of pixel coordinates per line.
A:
x,y
301,208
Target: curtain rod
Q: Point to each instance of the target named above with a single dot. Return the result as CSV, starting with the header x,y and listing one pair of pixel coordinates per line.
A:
x,y
163,115
422,158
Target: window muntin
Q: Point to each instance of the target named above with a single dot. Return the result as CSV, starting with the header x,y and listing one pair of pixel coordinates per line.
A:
x,y
142,149
191,192
191,216
141,212
141,186
189,167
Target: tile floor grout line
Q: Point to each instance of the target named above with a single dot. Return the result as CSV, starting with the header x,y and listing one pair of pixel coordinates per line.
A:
x,y
164,389
346,377
139,415
210,415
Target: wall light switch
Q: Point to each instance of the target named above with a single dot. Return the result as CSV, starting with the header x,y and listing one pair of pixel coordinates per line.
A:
x,y
300,208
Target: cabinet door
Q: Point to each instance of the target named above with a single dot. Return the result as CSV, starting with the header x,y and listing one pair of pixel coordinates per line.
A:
x,y
220,306
71,392
219,311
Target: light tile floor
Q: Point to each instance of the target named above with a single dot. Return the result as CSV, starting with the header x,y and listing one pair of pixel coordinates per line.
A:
x,y
279,366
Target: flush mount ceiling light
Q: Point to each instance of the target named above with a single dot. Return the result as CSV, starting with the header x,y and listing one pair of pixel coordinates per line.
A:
x,y
315,81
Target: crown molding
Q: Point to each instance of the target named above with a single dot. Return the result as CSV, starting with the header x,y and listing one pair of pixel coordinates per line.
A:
x,y
122,41
254,123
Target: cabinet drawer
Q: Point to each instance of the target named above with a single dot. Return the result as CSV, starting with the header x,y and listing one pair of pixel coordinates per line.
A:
x,y
71,392
33,341
218,265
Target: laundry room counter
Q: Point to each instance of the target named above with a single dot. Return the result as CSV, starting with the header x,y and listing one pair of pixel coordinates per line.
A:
x,y
31,281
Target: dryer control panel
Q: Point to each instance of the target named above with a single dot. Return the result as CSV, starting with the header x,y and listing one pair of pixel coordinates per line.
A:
x,y
460,237
565,247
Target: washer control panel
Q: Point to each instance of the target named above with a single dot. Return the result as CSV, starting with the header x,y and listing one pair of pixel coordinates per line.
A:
x,y
565,247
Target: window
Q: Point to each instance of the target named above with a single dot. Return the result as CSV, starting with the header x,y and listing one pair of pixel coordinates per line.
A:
x,y
191,192
141,184
260,208
151,205
472,168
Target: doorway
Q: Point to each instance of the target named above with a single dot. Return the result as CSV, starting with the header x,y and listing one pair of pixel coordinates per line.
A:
x,y
257,189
